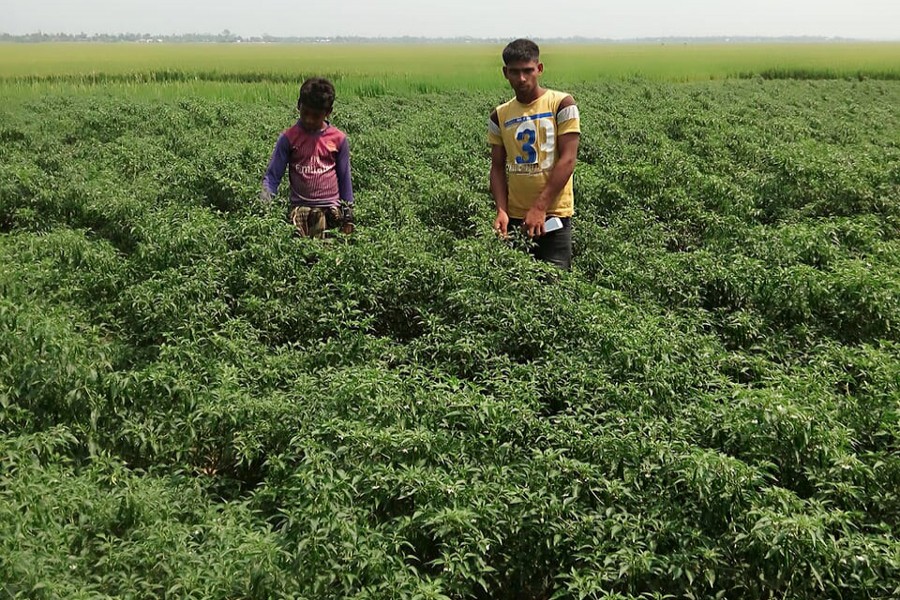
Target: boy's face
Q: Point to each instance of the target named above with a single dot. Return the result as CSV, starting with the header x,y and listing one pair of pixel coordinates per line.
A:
x,y
523,76
313,119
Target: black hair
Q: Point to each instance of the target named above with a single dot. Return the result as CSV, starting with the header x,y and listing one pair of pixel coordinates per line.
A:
x,y
521,50
316,93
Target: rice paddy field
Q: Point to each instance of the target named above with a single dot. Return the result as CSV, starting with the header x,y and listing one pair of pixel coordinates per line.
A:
x,y
195,403
421,68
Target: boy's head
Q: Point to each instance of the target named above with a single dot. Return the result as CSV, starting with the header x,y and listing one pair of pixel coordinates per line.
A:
x,y
315,102
522,66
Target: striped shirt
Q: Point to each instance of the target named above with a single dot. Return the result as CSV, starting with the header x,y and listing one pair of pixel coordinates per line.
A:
x,y
318,165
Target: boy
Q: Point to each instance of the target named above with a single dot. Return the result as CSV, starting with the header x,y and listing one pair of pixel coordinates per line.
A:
x,y
318,155
534,144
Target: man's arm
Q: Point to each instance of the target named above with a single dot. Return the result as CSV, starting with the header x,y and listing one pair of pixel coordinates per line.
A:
x,y
275,171
499,188
567,146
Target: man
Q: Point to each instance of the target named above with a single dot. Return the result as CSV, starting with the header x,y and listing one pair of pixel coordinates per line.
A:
x,y
534,144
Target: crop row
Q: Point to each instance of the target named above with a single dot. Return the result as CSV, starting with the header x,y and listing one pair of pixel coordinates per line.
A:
x,y
195,403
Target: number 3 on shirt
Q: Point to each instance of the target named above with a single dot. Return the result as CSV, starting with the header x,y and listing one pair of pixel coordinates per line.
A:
x,y
527,132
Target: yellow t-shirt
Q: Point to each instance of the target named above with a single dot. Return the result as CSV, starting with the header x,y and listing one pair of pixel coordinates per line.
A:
x,y
529,132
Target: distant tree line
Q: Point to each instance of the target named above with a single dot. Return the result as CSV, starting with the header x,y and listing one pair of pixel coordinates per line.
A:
x,y
223,37
227,37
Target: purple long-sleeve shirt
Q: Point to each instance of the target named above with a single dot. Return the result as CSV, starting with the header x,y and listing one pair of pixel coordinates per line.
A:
x,y
318,165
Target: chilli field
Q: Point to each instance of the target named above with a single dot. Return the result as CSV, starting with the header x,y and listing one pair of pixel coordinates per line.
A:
x,y
194,403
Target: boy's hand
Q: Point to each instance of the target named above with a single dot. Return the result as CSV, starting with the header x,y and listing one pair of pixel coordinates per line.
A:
x,y
347,225
265,204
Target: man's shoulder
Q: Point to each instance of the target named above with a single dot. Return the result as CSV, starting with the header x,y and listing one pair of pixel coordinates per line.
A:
x,y
503,107
560,98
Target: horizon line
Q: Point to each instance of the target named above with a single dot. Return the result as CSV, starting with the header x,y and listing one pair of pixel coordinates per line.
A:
x,y
228,36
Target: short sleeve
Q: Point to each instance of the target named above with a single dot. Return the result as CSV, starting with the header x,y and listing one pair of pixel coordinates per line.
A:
x,y
494,133
568,120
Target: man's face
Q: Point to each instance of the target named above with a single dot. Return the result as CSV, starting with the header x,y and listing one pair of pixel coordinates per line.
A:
x,y
312,119
523,76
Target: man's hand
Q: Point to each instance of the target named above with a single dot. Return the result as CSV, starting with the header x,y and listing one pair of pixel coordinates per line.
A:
x,y
501,223
533,226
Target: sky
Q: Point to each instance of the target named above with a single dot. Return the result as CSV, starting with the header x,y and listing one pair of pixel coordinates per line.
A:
x,y
612,19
